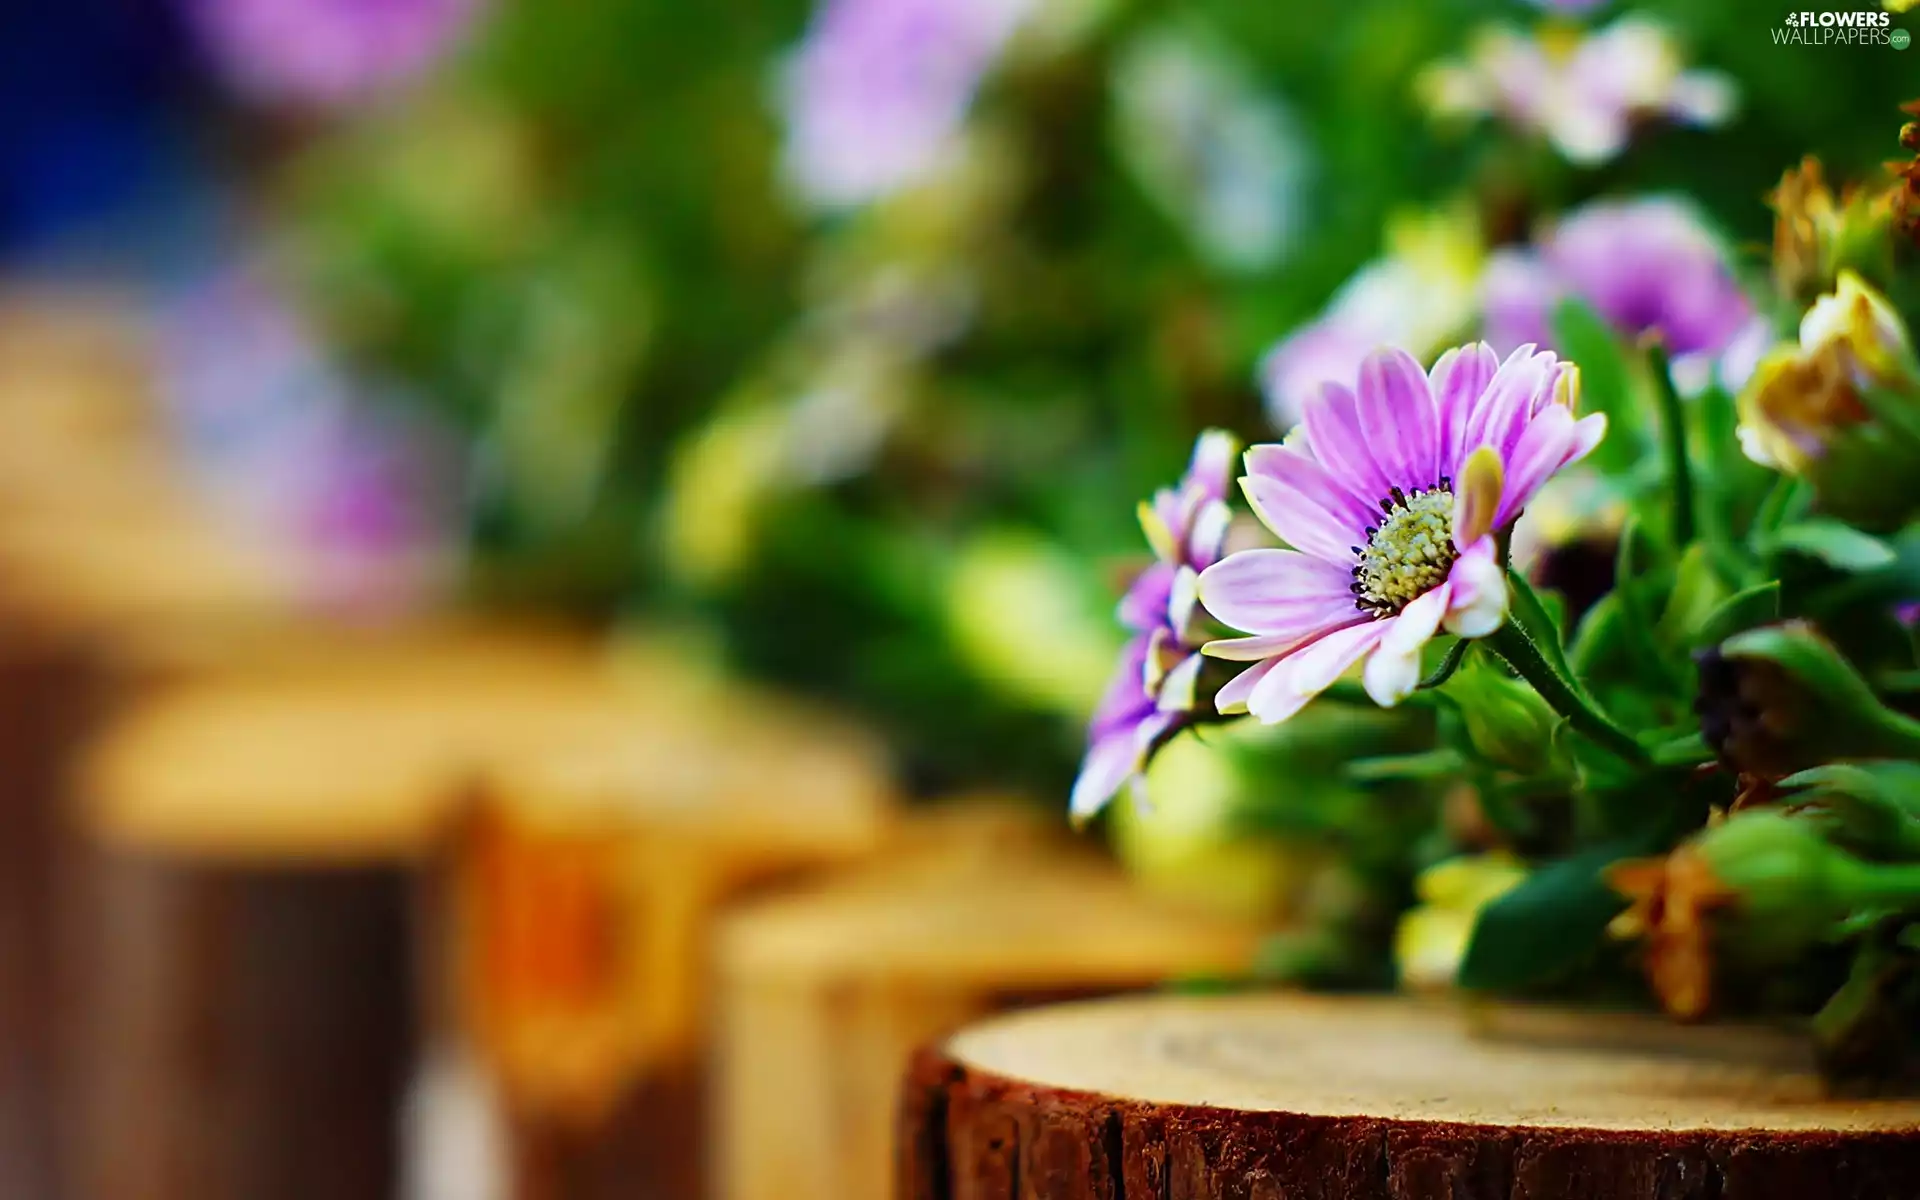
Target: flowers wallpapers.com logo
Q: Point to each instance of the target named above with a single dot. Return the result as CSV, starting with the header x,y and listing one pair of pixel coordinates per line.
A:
x,y
1860,27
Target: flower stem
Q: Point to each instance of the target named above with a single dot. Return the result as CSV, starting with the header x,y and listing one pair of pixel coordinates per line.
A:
x,y
1894,886
1673,444
1517,648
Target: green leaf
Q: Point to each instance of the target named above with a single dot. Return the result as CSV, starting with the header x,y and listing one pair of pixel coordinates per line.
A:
x,y
1835,543
1582,336
1737,613
1427,764
1786,503
1599,636
1682,491
1546,926
1697,591
1686,750
1637,623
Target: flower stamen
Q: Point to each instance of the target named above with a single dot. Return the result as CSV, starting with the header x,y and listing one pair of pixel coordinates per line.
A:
x,y
1409,553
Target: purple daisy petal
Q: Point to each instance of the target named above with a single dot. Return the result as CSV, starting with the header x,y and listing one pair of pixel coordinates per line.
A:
x,y
1337,438
1552,441
1311,670
1299,520
1510,400
1109,763
1233,694
1209,537
1274,592
1292,373
1396,408
1458,380
1146,603
1293,465
1211,468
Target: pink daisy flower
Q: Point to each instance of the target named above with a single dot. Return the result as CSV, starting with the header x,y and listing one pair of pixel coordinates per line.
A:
x,y
1390,497
1153,692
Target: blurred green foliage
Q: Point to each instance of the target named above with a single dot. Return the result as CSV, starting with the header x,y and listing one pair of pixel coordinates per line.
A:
x,y
575,243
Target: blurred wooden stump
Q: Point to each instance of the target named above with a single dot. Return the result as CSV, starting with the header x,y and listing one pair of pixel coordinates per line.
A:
x,y
247,999
623,800
826,992
580,893
108,571
1351,1098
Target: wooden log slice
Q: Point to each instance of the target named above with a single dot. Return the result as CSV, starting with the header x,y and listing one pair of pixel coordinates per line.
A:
x,y
1343,1098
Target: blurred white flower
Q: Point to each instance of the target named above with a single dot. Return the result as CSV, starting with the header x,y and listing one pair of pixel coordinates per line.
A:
x,y
1223,157
1582,92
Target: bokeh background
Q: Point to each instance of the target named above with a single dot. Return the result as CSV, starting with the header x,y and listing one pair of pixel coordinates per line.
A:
x,y
556,554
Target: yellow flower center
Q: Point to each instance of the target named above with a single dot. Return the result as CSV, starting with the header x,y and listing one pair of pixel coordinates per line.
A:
x,y
1409,553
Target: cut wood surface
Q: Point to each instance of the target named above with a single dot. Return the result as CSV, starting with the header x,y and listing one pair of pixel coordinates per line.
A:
x,y
1345,1098
825,992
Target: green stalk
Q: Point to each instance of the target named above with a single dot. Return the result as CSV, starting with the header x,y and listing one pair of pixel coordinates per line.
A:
x,y
1514,645
1894,886
1673,445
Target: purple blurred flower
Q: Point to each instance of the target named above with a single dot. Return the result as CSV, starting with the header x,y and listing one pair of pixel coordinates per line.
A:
x,y
1582,93
1391,496
1153,691
1645,266
1329,350
325,53
357,502
877,90
1568,6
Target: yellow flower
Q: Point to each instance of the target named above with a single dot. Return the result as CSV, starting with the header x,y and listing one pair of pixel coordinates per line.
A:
x,y
1432,938
1793,404
1839,408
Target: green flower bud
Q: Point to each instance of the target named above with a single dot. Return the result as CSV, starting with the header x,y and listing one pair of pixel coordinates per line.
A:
x,y
1781,699
1788,882
1762,886
1507,722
